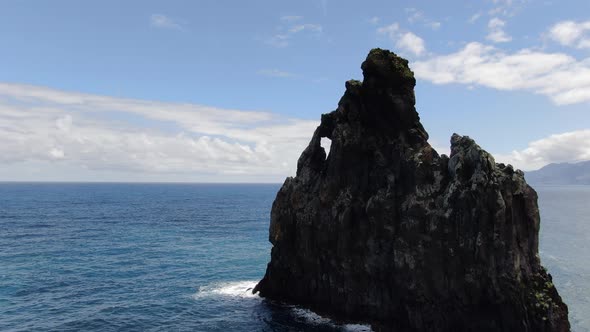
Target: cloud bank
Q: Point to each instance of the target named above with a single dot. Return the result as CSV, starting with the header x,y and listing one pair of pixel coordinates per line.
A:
x,y
97,133
561,77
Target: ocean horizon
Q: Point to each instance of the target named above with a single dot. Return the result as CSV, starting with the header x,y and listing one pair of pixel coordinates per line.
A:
x,y
145,256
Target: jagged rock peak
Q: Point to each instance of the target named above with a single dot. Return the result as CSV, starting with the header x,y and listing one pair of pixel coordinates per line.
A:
x,y
384,69
384,230
382,106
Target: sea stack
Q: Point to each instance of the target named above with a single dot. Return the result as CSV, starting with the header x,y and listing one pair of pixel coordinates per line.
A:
x,y
384,230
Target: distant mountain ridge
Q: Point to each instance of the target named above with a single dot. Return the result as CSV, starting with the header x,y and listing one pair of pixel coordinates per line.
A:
x,y
561,173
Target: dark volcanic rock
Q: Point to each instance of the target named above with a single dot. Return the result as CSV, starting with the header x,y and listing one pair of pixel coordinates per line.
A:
x,y
385,230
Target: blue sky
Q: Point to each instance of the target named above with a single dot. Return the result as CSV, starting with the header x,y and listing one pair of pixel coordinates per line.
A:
x,y
230,91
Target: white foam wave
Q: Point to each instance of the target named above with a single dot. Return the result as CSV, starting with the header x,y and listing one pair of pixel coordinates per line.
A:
x,y
315,319
242,289
311,317
357,328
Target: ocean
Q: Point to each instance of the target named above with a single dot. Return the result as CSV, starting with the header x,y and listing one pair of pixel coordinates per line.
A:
x,y
184,257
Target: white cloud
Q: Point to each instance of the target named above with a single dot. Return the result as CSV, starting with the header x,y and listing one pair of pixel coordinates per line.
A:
x,y
559,76
570,33
404,40
276,73
57,129
165,22
566,147
411,42
56,153
496,31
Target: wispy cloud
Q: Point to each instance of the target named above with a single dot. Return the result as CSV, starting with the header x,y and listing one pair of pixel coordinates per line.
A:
x,y
506,8
291,18
279,40
496,31
290,27
305,27
374,20
54,129
276,73
418,16
474,17
405,40
165,22
414,15
434,25
391,30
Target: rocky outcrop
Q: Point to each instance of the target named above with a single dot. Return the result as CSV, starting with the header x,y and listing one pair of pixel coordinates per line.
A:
x,y
384,229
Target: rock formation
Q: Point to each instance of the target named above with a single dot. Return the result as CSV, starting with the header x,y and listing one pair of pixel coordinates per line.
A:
x,y
384,229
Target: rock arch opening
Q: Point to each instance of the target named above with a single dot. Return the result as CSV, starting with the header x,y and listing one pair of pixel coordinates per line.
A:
x,y
326,143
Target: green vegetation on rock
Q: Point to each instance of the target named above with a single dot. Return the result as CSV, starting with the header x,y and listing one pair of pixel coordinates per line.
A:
x,y
399,64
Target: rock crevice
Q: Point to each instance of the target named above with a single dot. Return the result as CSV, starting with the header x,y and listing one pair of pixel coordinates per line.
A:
x,y
384,229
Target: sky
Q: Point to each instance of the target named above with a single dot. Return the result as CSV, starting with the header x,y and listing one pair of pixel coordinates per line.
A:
x,y
231,91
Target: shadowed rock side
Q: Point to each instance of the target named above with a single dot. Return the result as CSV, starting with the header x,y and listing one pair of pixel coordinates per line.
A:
x,y
385,230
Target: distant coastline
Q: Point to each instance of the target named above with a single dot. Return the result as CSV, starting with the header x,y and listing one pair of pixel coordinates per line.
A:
x,y
561,174
139,182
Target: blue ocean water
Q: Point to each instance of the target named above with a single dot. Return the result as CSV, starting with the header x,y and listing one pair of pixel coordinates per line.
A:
x,y
183,257
565,247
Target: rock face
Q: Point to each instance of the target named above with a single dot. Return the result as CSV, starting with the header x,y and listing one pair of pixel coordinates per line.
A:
x,y
386,230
